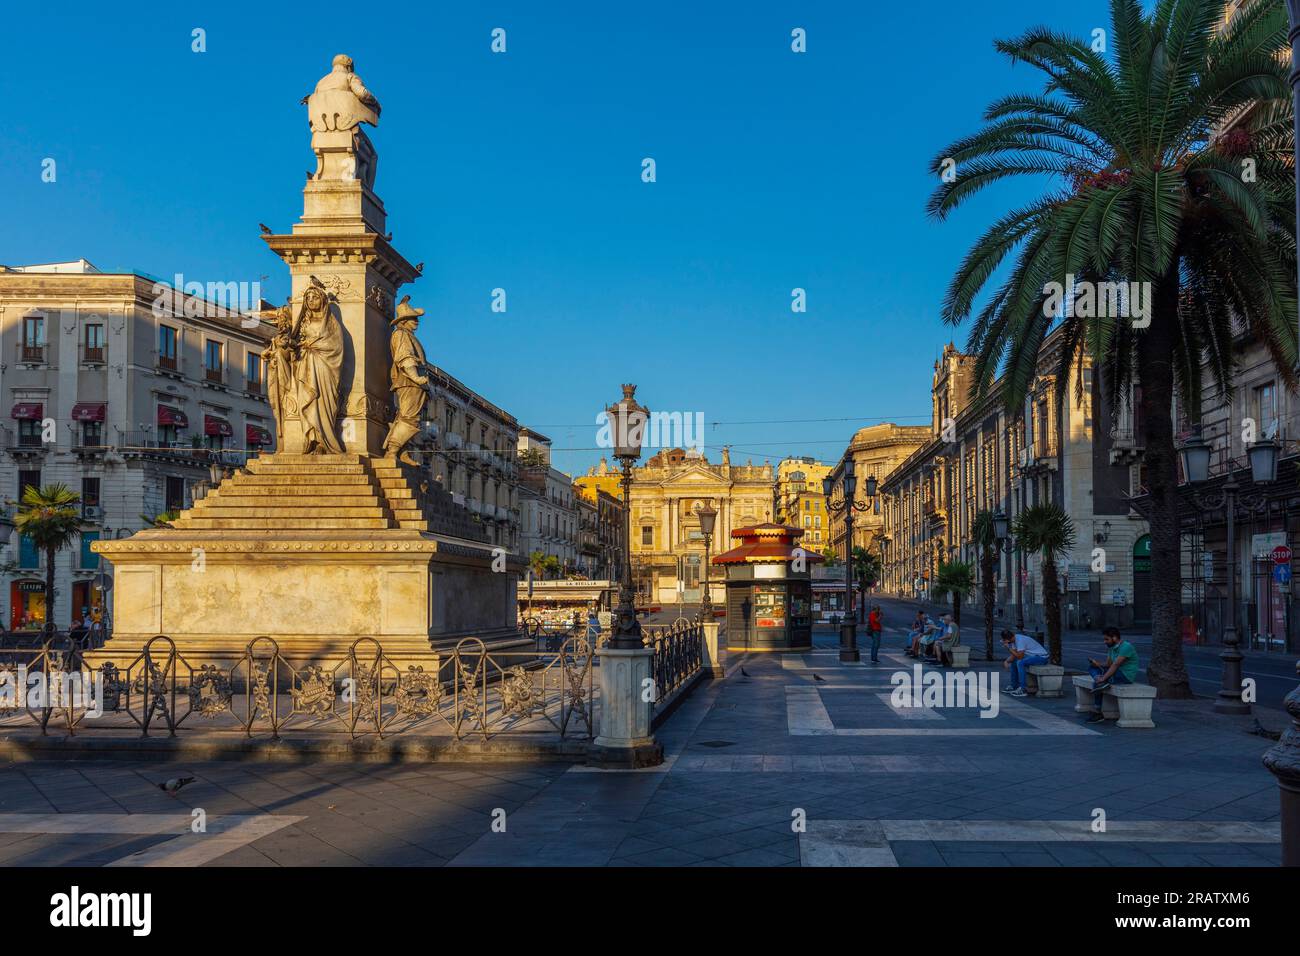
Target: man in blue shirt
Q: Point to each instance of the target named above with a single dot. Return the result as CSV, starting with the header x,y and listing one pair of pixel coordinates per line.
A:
x,y
1023,652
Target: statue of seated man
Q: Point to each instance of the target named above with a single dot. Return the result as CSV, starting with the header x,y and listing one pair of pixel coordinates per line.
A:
x,y
340,100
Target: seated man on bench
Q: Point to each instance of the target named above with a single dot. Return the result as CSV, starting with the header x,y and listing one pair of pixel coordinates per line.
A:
x,y
948,638
919,627
1023,652
1120,667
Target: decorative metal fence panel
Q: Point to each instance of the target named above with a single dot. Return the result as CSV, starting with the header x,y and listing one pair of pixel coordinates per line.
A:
x,y
469,692
679,654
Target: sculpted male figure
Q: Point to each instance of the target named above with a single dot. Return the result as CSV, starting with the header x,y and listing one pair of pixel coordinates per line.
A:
x,y
340,100
408,380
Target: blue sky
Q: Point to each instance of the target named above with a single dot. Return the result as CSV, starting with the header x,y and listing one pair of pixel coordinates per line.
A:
x,y
522,171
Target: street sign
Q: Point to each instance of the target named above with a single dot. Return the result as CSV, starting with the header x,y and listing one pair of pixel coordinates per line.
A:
x,y
1282,574
1281,554
1077,577
1118,597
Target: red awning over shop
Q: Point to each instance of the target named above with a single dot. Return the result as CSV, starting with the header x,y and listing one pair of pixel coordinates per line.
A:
x,y
29,410
256,435
212,425
89,411
172,416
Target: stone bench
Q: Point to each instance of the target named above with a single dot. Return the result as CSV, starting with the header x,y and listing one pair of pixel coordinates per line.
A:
x,y
1129,705
1045,680
959,655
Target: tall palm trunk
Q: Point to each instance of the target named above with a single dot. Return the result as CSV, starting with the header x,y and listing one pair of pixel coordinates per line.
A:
x,y
1052,607
50,554
1166,670
986,586
956,608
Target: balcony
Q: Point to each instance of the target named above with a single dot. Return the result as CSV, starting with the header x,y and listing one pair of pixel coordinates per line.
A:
x,y
94,355
183,451
29,354
212,376
169,364
1126,447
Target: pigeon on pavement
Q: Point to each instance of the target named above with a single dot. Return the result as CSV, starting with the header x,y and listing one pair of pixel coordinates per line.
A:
x,y
173,786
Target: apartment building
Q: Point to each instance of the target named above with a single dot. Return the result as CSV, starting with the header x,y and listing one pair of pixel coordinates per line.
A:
x,y
130,393
1055,448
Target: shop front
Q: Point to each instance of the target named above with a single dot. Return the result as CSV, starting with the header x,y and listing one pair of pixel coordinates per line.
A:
x,y
769,590
26,605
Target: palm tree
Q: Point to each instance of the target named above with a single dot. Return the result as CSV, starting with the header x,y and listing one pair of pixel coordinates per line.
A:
x,y
866,570
985,538
1143,192
1048,530
956,578
49,517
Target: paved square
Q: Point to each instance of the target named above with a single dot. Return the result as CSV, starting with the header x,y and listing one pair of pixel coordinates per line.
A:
x,y
777,768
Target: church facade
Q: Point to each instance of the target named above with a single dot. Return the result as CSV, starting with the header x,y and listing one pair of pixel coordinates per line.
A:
x,y
667,545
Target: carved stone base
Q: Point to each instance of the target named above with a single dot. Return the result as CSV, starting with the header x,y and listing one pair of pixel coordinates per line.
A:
x,y
314,552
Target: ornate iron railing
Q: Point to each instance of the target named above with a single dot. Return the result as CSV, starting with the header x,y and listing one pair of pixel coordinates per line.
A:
x,y
679,655
469,691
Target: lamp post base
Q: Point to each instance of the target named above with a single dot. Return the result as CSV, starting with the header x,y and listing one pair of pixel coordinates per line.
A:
x,y
849,644
1230,699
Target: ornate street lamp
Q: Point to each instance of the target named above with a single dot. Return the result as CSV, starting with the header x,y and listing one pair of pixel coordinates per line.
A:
x,y
847,505
708,516
1195,453
1001,526
627,421
1263,461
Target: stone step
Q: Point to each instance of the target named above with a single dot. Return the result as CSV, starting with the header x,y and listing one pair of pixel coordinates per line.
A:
x,y
295,489
281,524
300,481
305,468
278,502
301,512
351,458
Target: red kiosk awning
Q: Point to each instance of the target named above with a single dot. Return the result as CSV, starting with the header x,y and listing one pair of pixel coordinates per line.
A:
x,y
27,411
172,416
89,411
256,435
212,425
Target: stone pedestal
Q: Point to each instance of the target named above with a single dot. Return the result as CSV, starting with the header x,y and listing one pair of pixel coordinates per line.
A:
x,y
713,665
314,551
626,711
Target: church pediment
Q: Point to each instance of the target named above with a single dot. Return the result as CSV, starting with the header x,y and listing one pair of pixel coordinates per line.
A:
x,y
695,476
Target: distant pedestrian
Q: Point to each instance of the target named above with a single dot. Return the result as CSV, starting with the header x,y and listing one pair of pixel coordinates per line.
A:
x,y
875,623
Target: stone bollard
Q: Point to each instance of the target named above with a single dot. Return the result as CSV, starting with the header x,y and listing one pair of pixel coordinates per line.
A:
x,y
627,697
713,665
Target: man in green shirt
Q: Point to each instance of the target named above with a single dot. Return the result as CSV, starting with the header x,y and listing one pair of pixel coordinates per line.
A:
x,y
1120,667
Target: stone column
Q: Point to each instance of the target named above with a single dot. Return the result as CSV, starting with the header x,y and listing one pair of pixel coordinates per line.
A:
x,y
625,738
712,661
341,240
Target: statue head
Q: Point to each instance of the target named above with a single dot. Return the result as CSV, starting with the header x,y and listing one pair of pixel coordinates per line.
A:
x,y
407,316
313,300
343,60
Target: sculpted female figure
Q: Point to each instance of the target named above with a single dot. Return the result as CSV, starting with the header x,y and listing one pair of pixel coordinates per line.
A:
x,y
277,358
316,372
